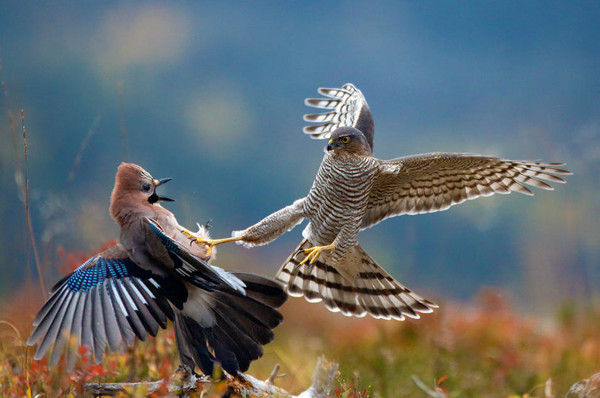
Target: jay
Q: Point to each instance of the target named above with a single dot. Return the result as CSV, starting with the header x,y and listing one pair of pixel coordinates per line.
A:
x,y
150,276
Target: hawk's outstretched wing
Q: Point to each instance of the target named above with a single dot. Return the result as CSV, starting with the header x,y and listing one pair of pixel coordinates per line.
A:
x,y
348,109
435,181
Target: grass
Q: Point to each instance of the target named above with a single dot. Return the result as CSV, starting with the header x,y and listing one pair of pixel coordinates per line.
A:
x,y
479,350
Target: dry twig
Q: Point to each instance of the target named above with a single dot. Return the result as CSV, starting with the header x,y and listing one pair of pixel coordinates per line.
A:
x,y
184,382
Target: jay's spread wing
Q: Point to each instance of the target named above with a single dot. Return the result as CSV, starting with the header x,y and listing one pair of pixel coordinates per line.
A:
x,y
193,269
107,301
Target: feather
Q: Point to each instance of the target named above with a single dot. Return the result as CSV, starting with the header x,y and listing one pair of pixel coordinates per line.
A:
x,y
49,305
193,342
128,308
99,328
146,318
44,321
114,332
236,340
371,291
453,178
256,324
87,335
63,333
349,109
220,343
76,328
54,328
152,306
266,291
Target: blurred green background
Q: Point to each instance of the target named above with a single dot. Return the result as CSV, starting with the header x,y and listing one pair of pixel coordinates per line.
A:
x,y
212,93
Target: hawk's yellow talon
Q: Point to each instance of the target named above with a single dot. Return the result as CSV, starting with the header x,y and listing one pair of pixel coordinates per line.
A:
x,y
312,253
208,242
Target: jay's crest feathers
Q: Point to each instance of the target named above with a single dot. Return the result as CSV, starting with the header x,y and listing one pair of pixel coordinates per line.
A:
x,y
134,193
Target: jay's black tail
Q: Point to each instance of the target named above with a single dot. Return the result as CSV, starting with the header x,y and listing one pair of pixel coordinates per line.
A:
x,y
243,324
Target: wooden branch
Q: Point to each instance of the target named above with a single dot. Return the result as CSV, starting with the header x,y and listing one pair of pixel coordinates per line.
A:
x,y
273,375
322,379
585,388
184,382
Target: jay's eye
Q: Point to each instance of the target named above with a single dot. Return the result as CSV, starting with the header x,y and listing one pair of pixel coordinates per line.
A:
x,y
146,187
345,140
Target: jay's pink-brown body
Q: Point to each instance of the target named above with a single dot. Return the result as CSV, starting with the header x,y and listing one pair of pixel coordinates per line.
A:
x,y
153,275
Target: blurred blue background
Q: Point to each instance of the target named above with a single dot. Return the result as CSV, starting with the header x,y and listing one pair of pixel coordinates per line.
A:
x,y
211,94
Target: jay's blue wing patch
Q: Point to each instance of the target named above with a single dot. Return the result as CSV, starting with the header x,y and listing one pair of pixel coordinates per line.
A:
x,y
107,301
194,269
97,269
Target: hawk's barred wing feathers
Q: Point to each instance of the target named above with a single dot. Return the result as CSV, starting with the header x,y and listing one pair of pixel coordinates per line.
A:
x,y
348,107
435,181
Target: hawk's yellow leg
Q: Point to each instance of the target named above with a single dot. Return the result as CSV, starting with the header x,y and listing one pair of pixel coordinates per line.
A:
x,y
208,242
312,253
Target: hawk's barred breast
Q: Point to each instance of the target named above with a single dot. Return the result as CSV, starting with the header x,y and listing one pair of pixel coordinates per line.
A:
x,y
339,196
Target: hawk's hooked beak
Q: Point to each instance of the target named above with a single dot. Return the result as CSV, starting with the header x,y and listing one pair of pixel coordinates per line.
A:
x,y
156,198
330,145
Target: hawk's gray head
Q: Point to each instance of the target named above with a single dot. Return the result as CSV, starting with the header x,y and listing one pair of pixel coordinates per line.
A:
x,y
349,139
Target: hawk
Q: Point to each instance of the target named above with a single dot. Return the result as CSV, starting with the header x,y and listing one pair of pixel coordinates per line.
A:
x,y
354,190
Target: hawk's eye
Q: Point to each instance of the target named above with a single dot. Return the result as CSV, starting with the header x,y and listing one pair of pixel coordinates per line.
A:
x,y
146,187
345,140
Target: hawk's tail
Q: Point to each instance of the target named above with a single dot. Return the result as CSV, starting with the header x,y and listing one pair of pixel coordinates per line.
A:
x,y
372,291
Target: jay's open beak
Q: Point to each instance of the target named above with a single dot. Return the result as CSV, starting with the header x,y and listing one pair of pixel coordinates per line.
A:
x,y
156,198
162,181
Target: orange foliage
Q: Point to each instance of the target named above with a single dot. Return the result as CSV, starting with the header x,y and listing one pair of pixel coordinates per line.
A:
x,y
465,349
71,260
